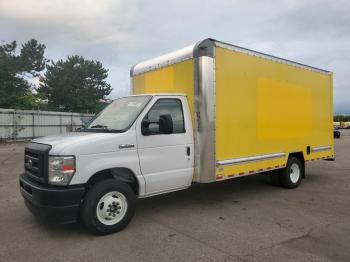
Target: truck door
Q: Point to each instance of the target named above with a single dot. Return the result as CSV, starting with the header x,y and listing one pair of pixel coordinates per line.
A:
x,y
166,160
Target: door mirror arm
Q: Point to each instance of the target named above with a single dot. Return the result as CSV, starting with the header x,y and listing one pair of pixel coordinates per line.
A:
x,y
145,127
166,125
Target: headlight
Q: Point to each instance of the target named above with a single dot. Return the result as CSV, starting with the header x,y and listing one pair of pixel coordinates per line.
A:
x,y
61,169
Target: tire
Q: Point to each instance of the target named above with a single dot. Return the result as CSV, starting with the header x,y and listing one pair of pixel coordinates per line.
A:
x,y
108,207
292,175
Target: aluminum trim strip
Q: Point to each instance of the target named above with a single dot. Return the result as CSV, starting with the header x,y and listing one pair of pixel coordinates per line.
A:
x,y
205,120
162,61
269,57
321,148
233,161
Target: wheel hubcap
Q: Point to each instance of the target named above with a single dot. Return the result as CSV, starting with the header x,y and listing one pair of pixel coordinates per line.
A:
x,y
111,208
294,173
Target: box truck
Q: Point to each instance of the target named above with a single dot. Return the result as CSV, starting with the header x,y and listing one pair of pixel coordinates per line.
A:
x,y
205,113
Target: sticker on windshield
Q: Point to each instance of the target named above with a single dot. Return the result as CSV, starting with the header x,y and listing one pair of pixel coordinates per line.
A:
x,y
134,104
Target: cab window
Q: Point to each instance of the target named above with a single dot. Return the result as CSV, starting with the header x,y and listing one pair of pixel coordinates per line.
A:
x,y
164,106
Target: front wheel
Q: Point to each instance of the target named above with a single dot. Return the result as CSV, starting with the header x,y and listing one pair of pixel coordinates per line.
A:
x,y
293,173
108,207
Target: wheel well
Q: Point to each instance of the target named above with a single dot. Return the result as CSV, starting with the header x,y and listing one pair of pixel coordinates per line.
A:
x,y
300,156
120,174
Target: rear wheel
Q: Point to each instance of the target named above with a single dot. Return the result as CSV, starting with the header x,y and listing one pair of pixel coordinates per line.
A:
x,y
108,207
293,173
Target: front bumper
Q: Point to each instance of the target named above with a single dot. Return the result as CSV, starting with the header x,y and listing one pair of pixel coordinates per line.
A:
x,y
52,203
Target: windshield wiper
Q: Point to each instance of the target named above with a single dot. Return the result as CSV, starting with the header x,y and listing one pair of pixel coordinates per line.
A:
x,y
99,126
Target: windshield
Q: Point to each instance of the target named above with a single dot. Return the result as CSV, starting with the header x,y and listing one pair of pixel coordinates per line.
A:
x,y
120,114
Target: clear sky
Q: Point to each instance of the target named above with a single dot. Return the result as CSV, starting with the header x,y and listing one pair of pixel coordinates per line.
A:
x,y
122,33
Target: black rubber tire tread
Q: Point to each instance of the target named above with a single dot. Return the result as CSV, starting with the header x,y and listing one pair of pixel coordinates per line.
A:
x,y
88,212
285,173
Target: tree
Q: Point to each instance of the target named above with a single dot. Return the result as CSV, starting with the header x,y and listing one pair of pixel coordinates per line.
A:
x,y
32,57
15,68
74,85
341,118
30,101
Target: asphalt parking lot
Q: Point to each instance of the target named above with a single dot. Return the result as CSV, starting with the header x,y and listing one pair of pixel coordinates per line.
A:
x,y
236,220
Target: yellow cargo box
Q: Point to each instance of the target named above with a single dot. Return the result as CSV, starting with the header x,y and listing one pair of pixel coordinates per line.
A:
x,y
250,111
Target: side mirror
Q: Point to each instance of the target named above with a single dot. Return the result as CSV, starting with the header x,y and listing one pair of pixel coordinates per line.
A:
x,y
165,124
145,127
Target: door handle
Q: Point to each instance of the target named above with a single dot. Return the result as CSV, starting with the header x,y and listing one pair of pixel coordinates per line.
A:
x,y
122,146
188,151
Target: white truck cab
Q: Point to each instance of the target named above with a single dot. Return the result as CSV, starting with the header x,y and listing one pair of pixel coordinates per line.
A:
x,y
144,142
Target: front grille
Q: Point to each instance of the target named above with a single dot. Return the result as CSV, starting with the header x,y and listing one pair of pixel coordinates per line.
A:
x,y
36,157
